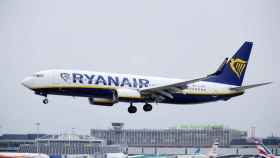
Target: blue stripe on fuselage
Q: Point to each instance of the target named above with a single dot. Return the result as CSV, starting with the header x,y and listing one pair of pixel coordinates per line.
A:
x,y
74,91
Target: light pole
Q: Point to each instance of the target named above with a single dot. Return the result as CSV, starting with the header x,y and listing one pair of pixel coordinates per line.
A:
x,y
37,137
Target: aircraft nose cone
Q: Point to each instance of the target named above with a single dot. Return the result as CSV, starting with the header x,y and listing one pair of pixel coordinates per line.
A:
x,y
26,82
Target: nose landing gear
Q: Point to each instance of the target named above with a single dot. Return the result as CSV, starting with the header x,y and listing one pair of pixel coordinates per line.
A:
x,y
46,100
45,95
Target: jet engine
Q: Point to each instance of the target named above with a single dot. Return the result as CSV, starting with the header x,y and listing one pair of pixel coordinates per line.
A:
x,y
116,94
102,101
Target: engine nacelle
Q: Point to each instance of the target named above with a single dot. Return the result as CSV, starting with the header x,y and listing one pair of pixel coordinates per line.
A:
x,y
102,101
128,93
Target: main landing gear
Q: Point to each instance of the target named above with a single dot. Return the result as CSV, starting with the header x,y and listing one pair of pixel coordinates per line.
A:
x,y
147,107
132,109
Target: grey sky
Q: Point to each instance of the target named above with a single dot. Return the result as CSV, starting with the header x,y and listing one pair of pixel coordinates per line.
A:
x,y
181,39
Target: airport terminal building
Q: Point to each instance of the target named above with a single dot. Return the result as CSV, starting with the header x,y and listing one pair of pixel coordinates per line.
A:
x,y
174,137
118,139
63,144
66,144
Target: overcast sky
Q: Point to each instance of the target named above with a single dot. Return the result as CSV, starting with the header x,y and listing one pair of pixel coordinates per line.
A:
x,y
179,39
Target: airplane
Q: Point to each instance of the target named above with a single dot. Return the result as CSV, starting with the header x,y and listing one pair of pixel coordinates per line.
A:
x,y
22,155
197,151
107,89
263,151
211,154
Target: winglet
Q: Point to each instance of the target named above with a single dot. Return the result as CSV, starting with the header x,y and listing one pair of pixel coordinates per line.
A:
x,y
220,69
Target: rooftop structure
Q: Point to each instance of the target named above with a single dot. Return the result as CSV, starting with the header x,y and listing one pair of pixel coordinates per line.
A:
x,y
175,137
68,144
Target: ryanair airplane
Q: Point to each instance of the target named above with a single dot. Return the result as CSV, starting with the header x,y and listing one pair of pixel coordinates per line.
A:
x,y
107,89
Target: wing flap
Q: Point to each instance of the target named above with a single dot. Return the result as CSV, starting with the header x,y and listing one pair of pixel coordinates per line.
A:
x,y
166,94
171,87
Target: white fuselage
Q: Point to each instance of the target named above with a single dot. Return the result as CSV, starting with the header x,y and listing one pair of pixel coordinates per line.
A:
x,y
127,86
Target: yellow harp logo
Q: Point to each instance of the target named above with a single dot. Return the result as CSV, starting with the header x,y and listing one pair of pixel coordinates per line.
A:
x,y
237,66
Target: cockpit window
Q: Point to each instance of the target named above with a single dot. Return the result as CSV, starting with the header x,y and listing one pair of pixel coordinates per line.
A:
x,y
38,75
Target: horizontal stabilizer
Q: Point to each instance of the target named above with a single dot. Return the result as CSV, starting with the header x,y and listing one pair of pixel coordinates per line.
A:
x,y
242,88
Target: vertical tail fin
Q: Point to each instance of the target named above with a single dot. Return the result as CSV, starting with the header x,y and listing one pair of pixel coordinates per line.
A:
x,y
197,151
213,151
234,70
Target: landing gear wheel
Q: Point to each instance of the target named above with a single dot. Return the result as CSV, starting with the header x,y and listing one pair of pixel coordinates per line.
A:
x,y
147,107
132,109
45,101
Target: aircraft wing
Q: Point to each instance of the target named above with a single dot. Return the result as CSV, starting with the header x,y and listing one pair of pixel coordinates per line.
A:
x,y
167,90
